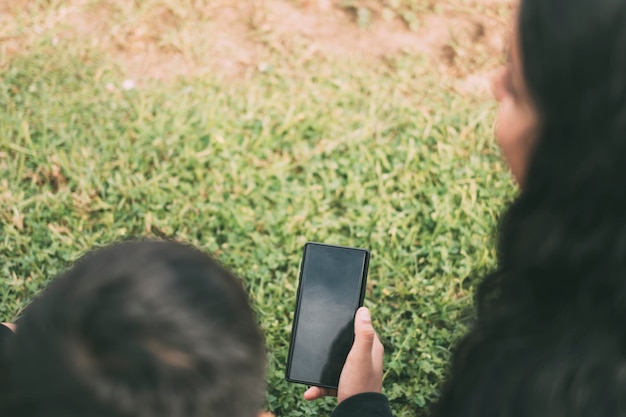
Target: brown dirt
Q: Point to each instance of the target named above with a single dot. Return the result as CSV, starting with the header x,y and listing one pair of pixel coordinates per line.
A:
x,y
465,38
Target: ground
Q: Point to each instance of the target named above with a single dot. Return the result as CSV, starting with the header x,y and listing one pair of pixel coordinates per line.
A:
x,y
173,38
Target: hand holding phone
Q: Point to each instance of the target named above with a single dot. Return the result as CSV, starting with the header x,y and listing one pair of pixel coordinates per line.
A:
x,y
331,289
363,370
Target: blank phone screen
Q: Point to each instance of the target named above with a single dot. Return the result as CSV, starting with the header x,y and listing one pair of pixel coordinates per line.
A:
x,y
331,284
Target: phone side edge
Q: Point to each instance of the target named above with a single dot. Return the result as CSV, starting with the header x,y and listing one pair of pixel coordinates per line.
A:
x,y
366,268
296,315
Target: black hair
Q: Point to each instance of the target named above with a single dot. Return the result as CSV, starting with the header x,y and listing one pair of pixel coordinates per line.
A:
x,y
550,333
140,328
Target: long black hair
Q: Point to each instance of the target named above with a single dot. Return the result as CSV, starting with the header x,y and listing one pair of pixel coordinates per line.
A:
x,y
550,334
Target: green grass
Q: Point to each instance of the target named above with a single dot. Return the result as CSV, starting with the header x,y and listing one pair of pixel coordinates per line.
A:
x,y
385,157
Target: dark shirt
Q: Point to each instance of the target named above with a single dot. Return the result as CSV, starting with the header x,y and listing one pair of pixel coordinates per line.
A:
x,y
5,336
369,404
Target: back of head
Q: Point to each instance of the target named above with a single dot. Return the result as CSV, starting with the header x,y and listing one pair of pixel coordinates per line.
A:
x,y
145,328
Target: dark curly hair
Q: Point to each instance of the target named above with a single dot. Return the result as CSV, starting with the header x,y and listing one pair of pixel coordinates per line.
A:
x,y
140,328
550,334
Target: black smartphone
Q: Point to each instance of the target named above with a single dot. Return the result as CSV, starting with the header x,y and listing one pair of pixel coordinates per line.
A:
x,y
330,291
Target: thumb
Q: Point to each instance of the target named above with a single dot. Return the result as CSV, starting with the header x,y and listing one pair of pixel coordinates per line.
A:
x,y
363,369
364,333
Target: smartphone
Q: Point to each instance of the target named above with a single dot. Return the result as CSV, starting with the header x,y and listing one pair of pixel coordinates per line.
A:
x,y
330,291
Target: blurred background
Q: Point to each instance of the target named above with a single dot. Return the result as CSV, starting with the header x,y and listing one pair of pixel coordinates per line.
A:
x,y
249,127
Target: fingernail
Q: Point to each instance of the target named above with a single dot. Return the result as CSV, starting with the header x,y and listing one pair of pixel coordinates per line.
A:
x,y
365,315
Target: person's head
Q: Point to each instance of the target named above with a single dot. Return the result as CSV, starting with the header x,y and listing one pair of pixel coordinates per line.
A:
x,y
563,95
562,127
549,338
564,236
142,328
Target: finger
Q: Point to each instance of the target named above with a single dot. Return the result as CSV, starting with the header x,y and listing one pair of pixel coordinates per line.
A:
x,y
364,333
313,393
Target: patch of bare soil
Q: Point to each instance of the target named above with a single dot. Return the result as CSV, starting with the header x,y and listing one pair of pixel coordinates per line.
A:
x,y
464,38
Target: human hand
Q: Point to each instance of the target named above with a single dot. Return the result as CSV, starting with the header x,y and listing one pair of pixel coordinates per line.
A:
x,y
363,370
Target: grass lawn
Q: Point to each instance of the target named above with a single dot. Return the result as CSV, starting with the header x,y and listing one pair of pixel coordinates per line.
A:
x,y
386,155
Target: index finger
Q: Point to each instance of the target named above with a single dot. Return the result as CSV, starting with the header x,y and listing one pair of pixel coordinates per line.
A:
x,y
313,393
